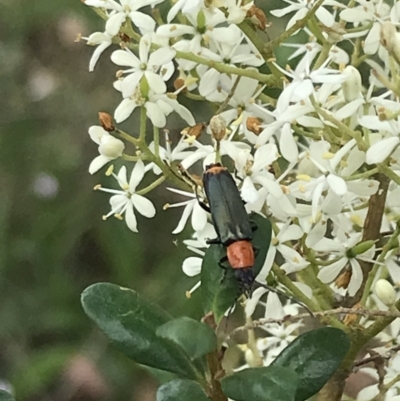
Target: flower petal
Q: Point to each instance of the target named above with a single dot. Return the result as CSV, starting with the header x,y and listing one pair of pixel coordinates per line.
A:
x,y
124,110
130,218
380,150
136,175
184,218
144,206
97,163
114,23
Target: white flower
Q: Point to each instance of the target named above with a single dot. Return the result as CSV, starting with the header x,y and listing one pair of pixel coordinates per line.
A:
x,y
254,170
102,41
303,6
110,148
186,6
303,80
341,250
207,153
167,154
126,200
192,207
236,11
146,66
120,11
158,107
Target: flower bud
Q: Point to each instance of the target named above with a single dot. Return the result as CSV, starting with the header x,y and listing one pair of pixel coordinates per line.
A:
x,y
352,86
218,127
385,292
111,147
106,121
361,248
390,39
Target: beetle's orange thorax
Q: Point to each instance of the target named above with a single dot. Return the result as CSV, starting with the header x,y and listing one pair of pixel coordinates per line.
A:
x,y
240,254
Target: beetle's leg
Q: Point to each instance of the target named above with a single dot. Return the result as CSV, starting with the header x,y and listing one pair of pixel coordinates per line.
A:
x,y
223,267
256,250
213,241
253,225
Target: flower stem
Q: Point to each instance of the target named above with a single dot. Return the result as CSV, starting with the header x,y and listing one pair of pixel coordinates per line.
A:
x,y
153,185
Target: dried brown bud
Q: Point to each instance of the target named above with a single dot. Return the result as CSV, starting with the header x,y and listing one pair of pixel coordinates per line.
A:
x,y
179,83
106,121
351,317
218,127
124,37
257,17
343,280
194,131
253,124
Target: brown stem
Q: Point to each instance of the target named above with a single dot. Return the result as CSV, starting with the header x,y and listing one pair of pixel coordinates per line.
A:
x,y
372,227
214,364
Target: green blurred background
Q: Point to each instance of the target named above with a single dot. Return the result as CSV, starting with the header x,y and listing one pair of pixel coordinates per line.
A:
x,y
53,242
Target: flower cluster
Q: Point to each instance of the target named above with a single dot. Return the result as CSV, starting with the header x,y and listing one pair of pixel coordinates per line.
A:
x,y
314,146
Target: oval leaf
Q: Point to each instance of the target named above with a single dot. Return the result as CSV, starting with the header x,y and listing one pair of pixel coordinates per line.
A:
x,y
314,356
196,338
219,287
261,384
261,240
4,396
131,323
181,390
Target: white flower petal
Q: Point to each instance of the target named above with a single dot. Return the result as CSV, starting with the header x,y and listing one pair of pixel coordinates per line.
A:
x,y
96,132
155,114
252,303
114,23
248,191
356,277
130,218
328,273
337,184
136,175
124,110
199,217
97,163
325,17
156,83
288,145
192,266
184,218
143,21
96,55
144,206
125,58
161,56
380,150
130,83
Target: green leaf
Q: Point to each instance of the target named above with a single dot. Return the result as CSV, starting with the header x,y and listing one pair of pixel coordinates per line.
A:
x,y
4,396
131,323
261,384
196,338
315,356
219,287
181,390
261,240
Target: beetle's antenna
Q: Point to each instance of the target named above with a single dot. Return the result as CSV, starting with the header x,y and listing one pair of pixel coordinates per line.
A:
x,y
293,299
